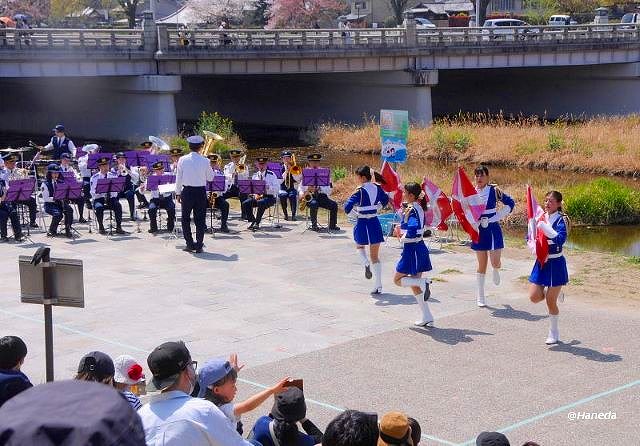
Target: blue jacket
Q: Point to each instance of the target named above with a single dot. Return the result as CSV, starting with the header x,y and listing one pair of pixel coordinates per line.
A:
x,y
260,433
12,382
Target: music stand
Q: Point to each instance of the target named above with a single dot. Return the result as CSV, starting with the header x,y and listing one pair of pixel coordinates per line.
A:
x,y
155,182
152,159
92,161
136,157
20,190
276,168
252,187
316,178
68,177
66,191
217,185
109,186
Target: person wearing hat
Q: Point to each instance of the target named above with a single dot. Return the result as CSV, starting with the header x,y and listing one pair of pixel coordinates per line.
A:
x,y
175,153
122,169
13,350
10,173
320,198
70,413
96,366
395,430
8,212
85,172
56,208
60,144
492,439
102,201
233,174
192,175
173,417
220,202
280,427
288,190
161,201
262,202
128,373
66,166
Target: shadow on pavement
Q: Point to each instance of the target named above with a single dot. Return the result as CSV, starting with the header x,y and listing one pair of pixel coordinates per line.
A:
x,y
585,352
451,336
508,312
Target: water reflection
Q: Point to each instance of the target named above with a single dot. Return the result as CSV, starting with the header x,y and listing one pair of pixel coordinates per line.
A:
x,y
618,239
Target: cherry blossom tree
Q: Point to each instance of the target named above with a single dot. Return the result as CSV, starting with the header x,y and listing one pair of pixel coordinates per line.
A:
x,y
37,9
216,11
304,13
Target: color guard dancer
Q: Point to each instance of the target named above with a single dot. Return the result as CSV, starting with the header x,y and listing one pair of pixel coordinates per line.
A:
x,y
101,201
161,201
56,208
490,241
414,259
366,201
553,274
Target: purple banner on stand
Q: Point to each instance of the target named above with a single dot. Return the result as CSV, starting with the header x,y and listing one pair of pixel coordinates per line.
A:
x,y
217,185
316,177
154,181
276,168
136,157
20,190
109,185
252,186
68,190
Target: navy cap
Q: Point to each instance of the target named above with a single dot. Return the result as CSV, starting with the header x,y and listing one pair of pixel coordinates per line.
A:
x,y
158,165
98,364
262,159
235,152
285,153
492,439
289,405
166,362
9,158
146,144
58,128
195,140
53,168
314,157
120,155
213,157
65,156
70,413
175,151
102,161
212,372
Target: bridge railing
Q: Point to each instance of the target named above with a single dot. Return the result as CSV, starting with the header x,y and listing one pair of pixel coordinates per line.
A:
x,y
71,39
500,36
206,39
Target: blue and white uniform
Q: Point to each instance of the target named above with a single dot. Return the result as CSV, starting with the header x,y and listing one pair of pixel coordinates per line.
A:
x,y
554,272
366,201
415,255
490,233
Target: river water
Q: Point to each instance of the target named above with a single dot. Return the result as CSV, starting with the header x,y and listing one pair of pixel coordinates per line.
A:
x,y
618,239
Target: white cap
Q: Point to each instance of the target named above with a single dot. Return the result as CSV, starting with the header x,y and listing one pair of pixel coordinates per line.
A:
x,y
128,371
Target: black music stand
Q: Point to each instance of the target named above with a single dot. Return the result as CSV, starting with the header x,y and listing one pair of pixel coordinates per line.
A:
x,y
217,185
66,191
109,186
317,177
21,190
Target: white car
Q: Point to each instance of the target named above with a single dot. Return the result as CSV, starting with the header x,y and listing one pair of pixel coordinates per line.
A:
x,y
506,29
421,23
561,20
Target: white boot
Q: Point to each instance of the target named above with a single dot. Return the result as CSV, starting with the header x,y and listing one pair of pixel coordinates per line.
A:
x,y
427,317
496,276
364,260
421,282
377,273
481,299
554,334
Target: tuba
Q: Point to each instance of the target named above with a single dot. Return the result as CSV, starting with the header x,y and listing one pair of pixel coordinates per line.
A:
x,y
210,139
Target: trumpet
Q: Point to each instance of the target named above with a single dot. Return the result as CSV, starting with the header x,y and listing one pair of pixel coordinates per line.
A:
x,y
212,198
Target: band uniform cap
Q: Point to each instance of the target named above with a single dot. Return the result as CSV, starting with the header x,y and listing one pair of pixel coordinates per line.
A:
x,y
314,157
9,158
158,165
195,140
285,153
127,370
213,157
235,152
175,151
58,128
289,405
98,363
394,429
120,155
146,144
53,168
166,362
102,161
492,439
212,372
65,156
262,159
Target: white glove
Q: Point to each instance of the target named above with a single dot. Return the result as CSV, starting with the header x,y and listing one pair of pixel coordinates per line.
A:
x,y
503,212
547,229
484,222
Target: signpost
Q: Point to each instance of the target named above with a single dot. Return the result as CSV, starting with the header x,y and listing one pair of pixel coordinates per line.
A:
x,y
394,133
48,281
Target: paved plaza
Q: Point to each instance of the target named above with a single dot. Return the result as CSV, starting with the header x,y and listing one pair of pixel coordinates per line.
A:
x,y
296,303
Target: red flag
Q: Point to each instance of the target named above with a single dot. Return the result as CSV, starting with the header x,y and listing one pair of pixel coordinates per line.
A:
x,y
467,204
392,184
439,206
536,240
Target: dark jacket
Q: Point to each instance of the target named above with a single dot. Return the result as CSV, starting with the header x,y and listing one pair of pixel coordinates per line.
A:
x,y
12,382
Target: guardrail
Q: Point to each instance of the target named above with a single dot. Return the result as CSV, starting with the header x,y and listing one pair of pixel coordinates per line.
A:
x,y
71,39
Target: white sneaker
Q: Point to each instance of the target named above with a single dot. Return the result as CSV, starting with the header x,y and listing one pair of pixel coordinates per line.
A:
x,y
481,301
496,277
377,290
552,338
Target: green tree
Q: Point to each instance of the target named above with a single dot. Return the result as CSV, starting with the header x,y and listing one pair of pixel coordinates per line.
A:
x,y
129,7
398,7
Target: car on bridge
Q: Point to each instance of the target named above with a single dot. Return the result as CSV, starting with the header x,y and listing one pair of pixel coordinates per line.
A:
x,y
506,29
561,20
631,19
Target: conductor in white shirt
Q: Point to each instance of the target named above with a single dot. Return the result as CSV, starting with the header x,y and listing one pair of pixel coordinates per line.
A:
x,y
193,173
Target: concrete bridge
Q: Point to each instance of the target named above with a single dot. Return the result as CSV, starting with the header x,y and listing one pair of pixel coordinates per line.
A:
x,y
130,83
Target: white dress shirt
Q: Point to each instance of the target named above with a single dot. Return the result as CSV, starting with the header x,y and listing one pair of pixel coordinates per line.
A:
x,y
175,418
94,183
45,192
71,145
193,170
272,182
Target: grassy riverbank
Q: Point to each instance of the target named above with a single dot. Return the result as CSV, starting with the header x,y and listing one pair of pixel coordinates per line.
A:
x,y
604,145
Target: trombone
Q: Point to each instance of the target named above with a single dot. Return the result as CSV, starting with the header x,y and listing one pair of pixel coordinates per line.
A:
x,y
295,168
241,166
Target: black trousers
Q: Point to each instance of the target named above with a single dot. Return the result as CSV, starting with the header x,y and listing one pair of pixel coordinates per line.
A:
x,y
8,212
263,204
223,205
234,191
58,211
194,199
324,202
165,203
99,205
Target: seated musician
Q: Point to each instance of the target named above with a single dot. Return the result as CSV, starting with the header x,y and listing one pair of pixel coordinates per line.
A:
x,y
220,202
233,173
161,201
122,169
320,198
10,173
288,190
58,209
175,153
101,201
66,166
85,172
262,202
8,212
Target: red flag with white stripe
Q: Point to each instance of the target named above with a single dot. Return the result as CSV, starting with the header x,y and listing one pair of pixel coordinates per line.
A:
x,y
536,240
467,204
392,184
439,208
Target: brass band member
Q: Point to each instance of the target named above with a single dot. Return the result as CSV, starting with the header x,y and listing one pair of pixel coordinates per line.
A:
x,y
262,202
234,171
102,201
288,189
175,153
161,201
60,144
122,169
58,209
8,212
142,174
220,202
319,198
85,172
10,173
66,166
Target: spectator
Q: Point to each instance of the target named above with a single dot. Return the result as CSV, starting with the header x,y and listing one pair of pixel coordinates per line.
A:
x,y
128,373
280,428
96,366
13,350
492,439
217,383
394,430
416,431
70,413
352,428
531,443
175,418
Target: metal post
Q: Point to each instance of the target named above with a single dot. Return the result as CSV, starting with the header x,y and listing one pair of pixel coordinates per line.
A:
x,y
47,279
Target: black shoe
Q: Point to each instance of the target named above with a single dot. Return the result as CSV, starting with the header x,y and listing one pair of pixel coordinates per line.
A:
x,y
82,220
293,218
188,249
198,251
152,231
367,272
133,218
52,234
286,217
19,238
34,225
315,228
68,234
334,228
224,229
256,227
170,229
427,291
4,239
102,231
251,226
120,231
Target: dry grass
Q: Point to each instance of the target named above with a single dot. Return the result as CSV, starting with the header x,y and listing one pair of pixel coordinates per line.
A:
x,y
602,145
